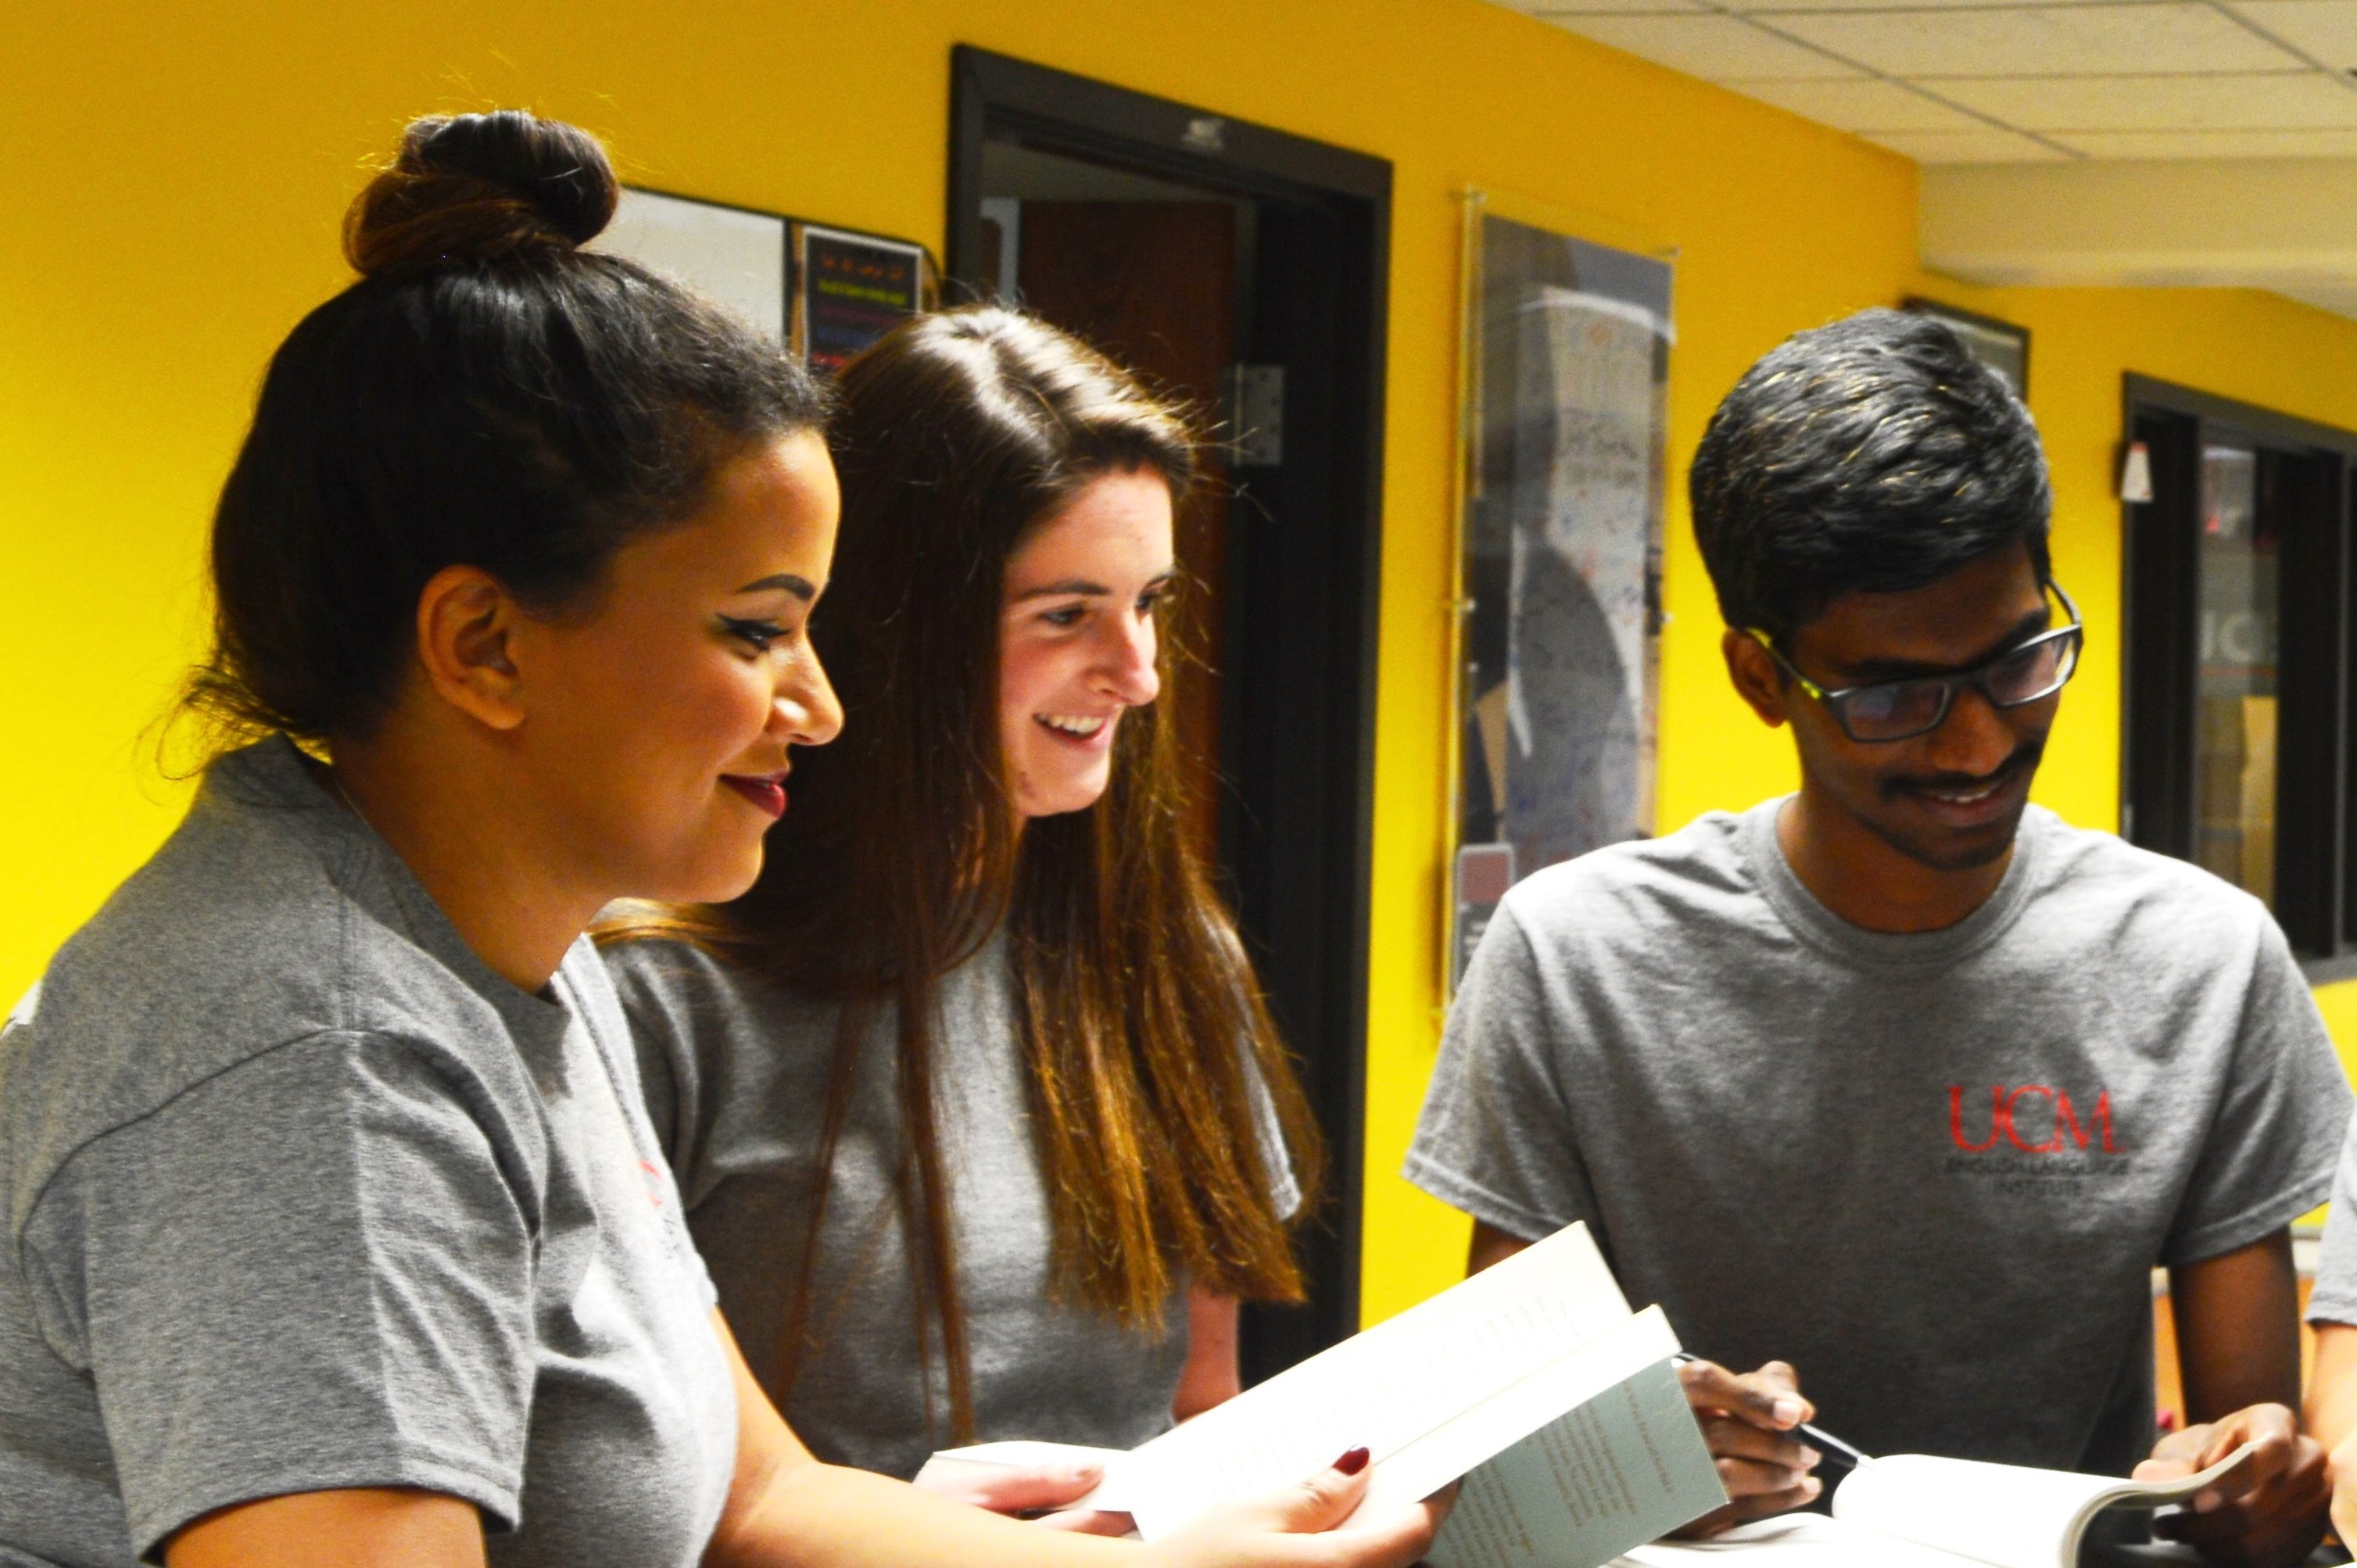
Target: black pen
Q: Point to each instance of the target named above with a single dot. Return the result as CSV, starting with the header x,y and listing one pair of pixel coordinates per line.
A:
x,y
1816,1437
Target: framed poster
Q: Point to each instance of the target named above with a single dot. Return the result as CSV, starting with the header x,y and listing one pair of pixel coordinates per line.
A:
x,y
730,255
826,292
1558,617
852,288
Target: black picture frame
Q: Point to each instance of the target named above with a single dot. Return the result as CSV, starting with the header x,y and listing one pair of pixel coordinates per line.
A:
x,y
849,287
917,283
2002,346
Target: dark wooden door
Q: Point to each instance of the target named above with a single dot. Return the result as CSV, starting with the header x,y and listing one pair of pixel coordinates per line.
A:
x,y
1153,285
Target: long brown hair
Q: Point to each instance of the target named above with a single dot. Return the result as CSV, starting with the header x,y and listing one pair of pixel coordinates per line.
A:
x,y
1144,1027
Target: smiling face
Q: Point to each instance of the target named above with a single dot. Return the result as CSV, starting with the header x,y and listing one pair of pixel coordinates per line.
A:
x,y
1951,799
661,719
1077,638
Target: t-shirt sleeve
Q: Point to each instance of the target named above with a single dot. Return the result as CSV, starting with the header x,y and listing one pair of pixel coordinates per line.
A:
x,y
310,1272
2272,1148
2335,1297
1496,1137
1276,1155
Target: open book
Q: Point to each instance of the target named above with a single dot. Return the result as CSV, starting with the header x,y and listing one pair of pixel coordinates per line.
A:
x,y
1913,1510
1532,1380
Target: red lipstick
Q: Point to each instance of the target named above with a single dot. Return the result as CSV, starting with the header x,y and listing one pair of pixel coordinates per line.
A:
x,y
768,792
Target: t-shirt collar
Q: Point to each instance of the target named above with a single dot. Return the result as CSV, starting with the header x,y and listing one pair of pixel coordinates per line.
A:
x,y
1827,931
276,776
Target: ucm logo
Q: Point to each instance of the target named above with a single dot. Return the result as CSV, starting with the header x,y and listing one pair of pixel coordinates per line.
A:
x,y
2006,1112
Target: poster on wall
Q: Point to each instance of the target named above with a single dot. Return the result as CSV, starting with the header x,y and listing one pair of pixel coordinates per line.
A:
x,y
1559,619
729,256
850,289
826,292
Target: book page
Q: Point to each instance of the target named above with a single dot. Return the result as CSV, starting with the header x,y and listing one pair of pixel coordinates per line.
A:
x,y
1399,1382
2009,1516
1473,1435
1613,1473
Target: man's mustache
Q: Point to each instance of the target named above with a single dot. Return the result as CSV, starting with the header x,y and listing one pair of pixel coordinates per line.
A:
x,y
2024,758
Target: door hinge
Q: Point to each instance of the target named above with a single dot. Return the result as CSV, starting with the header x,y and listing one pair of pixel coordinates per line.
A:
x,y
1253,415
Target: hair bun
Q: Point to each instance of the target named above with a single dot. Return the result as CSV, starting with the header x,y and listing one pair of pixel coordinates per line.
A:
x,y
480,188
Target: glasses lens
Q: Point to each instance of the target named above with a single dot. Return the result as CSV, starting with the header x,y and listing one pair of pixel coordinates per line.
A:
x,y
2028,673
1895,711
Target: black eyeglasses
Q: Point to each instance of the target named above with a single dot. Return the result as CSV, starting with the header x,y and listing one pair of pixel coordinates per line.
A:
x,y
1901,710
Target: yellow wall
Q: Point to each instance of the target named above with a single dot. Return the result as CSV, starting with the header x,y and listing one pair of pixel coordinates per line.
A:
x,y
171,179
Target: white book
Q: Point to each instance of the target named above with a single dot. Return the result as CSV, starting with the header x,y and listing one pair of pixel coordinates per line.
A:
x,y
1915,1511
1532,1381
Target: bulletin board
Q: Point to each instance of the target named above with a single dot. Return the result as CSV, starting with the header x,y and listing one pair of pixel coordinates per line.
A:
x,y
827,293
1557,602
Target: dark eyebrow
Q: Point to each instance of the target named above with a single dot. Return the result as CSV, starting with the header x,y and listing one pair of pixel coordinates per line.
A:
x,y
801,587
1081,587
1873,671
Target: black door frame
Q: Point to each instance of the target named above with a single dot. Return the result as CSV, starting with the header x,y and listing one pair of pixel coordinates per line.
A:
x,y
1303,839
2315,899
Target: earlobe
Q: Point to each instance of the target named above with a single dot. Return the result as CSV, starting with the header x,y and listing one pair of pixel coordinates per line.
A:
x,y
466,621
1754,676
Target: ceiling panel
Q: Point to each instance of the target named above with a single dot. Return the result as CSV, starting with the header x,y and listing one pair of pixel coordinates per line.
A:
x,y
2341,300
2073,40
2160,103
1983,146
1617,8
1765,6
2210,144
1715,48
1866,105
2327,29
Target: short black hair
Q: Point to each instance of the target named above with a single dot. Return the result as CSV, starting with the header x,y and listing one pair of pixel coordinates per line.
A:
x,y
1871,456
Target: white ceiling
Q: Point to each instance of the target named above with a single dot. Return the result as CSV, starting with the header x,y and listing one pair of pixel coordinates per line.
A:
x,y
1982,82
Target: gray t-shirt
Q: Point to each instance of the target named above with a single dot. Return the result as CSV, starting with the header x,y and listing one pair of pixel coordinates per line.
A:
x,y
300,1196
1933,1172
2334,1299
736,1074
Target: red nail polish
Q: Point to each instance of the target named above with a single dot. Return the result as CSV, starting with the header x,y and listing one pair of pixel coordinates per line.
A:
x,y
1352,1462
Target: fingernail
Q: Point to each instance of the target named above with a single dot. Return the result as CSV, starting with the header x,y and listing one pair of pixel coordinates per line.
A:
x,y
1085,1473
1788,1409
1353,1461
1811,1458
1811,1487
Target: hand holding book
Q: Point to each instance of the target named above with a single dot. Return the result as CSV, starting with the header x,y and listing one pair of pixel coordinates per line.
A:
x,y
1752,1423
1533,1375
2265,1512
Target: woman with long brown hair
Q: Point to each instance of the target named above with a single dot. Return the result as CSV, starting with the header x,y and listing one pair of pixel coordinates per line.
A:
x,y
336,1229
980,1119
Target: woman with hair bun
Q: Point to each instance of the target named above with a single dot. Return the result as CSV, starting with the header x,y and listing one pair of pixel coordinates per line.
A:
x,y
335,1228
982,1126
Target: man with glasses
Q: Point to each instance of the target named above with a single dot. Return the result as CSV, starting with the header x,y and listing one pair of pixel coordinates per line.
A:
x,y
1900,1079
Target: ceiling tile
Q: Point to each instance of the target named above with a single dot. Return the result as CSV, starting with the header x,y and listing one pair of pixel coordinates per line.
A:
x,y
1713,48
1551,13
2056,40
2341,300
1982,146
1867,106
2212,144
2326,29
2312,101
1765,6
